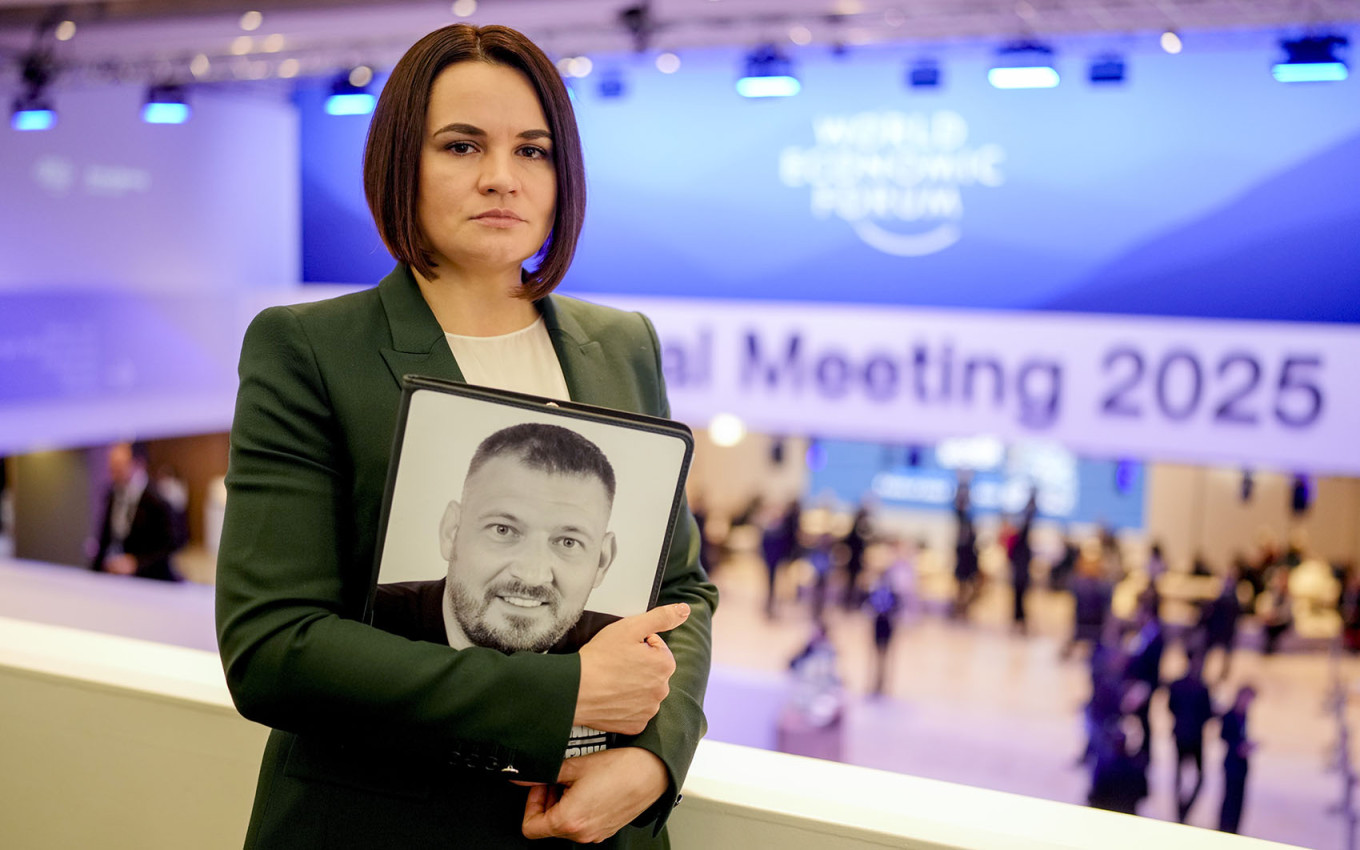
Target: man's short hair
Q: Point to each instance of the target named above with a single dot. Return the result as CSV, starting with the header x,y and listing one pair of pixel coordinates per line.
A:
x,y
550,448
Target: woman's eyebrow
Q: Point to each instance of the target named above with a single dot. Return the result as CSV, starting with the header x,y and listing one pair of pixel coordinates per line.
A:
x,y
465,129
471,130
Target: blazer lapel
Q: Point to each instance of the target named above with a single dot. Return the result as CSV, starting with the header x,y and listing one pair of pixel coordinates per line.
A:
x,y
583,362
418,343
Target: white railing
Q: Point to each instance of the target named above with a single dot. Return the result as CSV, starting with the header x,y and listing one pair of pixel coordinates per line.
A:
x,y
116,743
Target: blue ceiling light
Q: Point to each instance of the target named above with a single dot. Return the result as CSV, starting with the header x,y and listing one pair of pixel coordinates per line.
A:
x,y
768,73
1108,68
32,113
349,93
1312,60
1024,65
166,104
924,74
31,109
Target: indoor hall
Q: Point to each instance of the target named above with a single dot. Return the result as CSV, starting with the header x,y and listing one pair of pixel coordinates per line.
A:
x,y
1098,251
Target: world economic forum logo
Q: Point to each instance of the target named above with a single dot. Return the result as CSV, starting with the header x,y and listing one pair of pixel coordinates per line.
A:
x,y
895,177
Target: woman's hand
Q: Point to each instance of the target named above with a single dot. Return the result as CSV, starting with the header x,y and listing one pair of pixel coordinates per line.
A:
x,y
626,670
595,796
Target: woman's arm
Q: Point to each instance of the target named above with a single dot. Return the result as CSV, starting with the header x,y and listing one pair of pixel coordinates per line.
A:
x,y
673,735
287,565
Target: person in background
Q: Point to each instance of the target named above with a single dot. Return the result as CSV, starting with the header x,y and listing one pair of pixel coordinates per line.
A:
x,y
1105,708
1235,760
1020,553
1060,575
1218,620
885,604
1145,663
1112,555
779,545
1348,605
1276,608
1092,594
3,482
137,531
967,577
1191,707
1119,779
856,540
1156,563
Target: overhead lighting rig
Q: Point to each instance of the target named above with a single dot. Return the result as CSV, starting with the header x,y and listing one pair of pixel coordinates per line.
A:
x,y
767,73
1024,65
1312,59
32,109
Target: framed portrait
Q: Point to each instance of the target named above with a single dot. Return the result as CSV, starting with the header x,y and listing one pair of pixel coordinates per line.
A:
x,y
522,523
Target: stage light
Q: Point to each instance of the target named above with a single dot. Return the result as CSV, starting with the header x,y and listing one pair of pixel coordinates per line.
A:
x,y
768,73
32,110
668,63
924,74
165,105
1171,42
349,93
1312,60
1107,69
1024,65
32,113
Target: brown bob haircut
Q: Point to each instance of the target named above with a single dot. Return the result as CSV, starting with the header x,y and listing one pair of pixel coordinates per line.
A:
x,y
397,134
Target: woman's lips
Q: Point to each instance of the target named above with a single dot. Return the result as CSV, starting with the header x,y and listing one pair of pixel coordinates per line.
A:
x,y
499,218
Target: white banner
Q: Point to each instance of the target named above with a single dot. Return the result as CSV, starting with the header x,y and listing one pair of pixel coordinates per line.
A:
x,y
1250,394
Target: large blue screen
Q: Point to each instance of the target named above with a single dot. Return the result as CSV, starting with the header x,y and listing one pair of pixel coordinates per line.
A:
x,y
1198,187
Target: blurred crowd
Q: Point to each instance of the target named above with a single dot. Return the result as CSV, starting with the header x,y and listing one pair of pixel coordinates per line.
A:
x,y
1125,614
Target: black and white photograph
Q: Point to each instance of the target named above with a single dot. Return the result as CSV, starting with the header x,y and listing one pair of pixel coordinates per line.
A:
x,y
520,525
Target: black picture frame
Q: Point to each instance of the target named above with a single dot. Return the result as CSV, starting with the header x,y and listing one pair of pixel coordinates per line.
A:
x,y
441,423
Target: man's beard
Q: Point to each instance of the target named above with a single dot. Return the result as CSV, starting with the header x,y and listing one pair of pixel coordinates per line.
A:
x,y
520,634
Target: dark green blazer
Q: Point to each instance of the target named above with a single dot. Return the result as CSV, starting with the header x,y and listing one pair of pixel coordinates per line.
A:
x,y
381,741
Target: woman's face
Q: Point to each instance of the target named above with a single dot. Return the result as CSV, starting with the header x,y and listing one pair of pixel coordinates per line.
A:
x,y
487,186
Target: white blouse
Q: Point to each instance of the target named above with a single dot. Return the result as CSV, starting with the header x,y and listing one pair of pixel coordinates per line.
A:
x,y
522,361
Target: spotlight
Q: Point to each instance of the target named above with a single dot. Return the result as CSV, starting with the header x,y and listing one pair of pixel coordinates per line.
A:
x,y
165,105
349,92
32,110
768,74
924,74
1312,60
1024,65
1107,69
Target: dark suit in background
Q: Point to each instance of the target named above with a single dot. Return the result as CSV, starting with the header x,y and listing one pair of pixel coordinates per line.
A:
x,y
150,539
380,741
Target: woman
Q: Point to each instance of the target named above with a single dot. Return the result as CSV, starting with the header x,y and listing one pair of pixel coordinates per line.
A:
x,y
472,167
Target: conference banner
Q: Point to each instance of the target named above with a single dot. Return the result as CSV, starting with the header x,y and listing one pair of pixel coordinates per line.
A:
x,y
1265,395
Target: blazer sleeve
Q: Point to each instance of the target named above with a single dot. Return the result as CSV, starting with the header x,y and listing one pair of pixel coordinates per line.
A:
x,y
293,660
674,733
